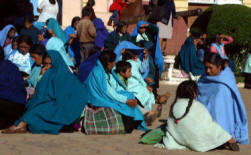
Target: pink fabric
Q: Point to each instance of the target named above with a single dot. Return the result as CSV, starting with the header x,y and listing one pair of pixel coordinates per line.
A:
x,y
229,41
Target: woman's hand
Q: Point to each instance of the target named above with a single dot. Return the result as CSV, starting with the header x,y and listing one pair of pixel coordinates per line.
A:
x,y
149,89
132,103
149,80
73,36
43,70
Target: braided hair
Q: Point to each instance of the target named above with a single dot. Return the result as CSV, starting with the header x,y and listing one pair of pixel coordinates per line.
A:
x,y
187,89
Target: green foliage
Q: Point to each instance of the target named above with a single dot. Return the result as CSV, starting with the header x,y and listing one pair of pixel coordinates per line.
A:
x,y
230,19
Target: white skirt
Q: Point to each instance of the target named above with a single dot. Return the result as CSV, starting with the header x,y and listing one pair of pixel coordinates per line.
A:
x,y
165,31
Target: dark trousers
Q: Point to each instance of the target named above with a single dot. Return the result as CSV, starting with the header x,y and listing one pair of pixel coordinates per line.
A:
x,y
86,50
248,80
10,112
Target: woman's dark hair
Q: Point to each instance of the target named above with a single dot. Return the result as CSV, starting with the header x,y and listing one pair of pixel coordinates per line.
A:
x,y
1,53
38,49
53,1
106,57
86,11
74,20
120,25
122,66
90,3
29,18
25,38
45,55
187,90
128,54
214,59
12,29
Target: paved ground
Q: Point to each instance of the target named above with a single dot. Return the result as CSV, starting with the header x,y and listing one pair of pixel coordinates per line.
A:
x,y
80,144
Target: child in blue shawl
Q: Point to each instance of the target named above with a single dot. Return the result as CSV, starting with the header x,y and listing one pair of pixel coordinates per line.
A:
x,y
58,101
6,35
219,93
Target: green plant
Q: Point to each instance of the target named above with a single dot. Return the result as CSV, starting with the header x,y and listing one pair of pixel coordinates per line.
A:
x,y
230,19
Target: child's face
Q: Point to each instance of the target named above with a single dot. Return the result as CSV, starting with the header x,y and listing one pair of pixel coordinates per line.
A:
x,y
28,25
23,48
142,30
126,74
11,33
14,45
40,37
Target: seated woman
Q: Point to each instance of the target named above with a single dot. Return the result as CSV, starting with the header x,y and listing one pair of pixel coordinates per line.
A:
x,y
104,89
115,37
55,29
219,93
21,57
56,44
12,93
189,61
6,35
190,125
60,106
73,44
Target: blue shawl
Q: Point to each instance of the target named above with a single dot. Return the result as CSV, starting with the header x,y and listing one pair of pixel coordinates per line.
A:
x,y
12,86
189,61
159,61
101,32
222,98
96,92
56,44
59,99
56,28
4,33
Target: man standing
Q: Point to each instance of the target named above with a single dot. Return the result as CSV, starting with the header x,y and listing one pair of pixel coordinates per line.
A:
x,y
86,32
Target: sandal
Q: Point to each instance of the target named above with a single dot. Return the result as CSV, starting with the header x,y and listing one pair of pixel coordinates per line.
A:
x,y
13,130
233,146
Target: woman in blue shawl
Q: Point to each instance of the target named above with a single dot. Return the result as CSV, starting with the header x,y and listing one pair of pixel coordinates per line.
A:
x,y
189,61
6,35
145,31
55,29
73,45
104,89
219,93
101,33
58,101
12,92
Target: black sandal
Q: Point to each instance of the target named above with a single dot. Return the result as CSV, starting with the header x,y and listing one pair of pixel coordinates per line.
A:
x,y
233,146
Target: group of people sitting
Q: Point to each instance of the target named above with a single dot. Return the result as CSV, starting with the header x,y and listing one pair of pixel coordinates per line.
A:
x,y
54,81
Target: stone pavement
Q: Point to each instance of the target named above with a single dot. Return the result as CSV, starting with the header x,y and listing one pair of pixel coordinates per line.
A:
x,y
80,144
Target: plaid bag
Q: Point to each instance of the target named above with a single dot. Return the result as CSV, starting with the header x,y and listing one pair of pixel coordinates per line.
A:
x,y
102,121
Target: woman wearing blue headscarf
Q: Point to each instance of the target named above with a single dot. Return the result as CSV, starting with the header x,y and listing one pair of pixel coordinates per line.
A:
x,y
219,93
12,92
58,100
56,44
55,30
6,35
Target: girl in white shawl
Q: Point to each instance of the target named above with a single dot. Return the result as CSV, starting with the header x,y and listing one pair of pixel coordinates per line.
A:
x,y
190,126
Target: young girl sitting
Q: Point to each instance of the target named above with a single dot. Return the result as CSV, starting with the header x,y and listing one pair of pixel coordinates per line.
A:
x,y
190,126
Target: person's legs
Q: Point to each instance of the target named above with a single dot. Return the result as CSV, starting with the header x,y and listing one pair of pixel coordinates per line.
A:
x,y
10,112
248,80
